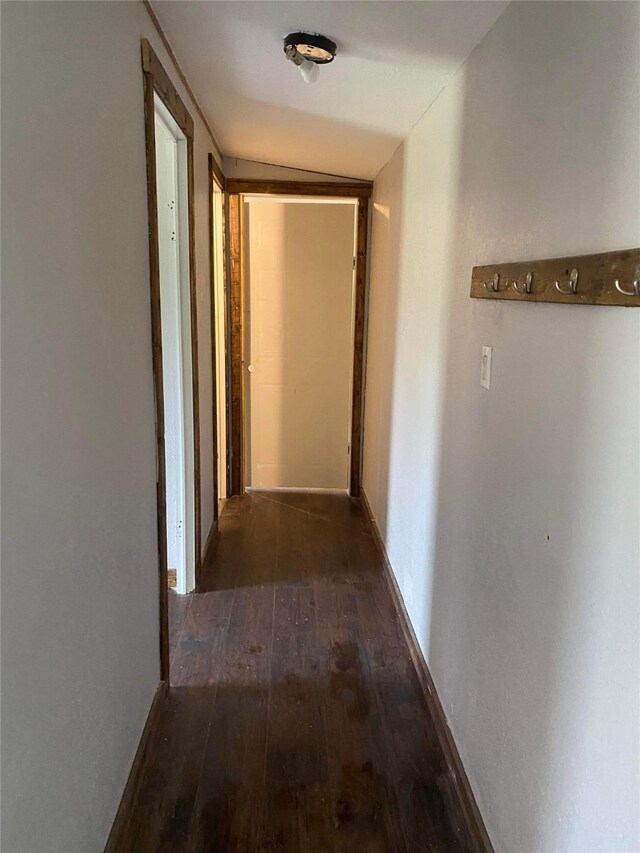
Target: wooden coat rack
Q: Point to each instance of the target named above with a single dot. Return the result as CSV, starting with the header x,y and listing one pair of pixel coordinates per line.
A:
x,y
609,278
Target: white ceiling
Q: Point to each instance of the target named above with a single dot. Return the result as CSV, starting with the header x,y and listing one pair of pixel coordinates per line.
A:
x,y
393,59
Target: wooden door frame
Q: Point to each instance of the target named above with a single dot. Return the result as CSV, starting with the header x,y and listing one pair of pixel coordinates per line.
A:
x,y
216,178
361,193
157,81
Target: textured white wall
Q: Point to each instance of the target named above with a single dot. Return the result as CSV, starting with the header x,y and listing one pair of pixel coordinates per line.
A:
x,y
511,515
79,564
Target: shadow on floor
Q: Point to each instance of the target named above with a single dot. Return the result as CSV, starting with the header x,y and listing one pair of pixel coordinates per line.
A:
x,y
295,721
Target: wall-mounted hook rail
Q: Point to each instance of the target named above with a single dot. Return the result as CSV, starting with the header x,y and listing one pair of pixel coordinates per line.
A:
x,y
609,278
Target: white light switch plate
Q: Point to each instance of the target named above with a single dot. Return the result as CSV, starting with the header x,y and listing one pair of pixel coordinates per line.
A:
x,y
485,367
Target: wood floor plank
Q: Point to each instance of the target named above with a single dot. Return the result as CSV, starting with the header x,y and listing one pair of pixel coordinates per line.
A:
x,y
296,780
295,722
361,810
178,609
202,638
293,566
327,558
246,548
229,811
423,799
338,509
165,801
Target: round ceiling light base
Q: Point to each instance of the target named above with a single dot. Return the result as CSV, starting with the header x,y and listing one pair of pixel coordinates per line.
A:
x,y
311,46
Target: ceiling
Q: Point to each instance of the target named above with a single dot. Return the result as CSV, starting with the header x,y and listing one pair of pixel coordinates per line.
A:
x,y
393,59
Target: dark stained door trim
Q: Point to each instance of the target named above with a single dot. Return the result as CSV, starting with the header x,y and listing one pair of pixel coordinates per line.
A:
x,y
217,178
304,188
156,80
235,190
357,407
237,345
212,306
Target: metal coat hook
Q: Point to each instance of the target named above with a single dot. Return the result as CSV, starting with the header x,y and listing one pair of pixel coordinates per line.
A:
x,y
573,284
635,284
526,287
493,285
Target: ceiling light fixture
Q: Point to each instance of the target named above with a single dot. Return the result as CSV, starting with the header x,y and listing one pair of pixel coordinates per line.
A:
x,y
307,51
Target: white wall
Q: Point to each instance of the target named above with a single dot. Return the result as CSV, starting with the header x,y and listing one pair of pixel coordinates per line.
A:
x,y
79,564
511,515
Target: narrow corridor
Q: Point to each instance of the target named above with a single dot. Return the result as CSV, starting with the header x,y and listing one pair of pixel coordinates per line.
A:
x,y
295,721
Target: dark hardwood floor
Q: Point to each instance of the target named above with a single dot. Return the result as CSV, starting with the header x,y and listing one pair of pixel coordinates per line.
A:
x,y
295,721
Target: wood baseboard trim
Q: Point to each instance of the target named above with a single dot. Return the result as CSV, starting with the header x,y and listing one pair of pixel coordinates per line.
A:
x,y
469,808
135,774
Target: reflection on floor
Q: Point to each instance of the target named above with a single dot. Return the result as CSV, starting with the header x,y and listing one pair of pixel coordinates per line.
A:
x,y
295,721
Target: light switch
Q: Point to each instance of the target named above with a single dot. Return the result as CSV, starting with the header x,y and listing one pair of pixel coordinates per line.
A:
x,y
485,367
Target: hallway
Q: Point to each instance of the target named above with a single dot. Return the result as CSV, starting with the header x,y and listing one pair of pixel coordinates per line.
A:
x,y
295,719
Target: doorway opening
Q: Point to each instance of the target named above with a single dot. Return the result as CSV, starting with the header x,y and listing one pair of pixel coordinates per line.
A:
x,y
279,430
175,322
174,338
299,289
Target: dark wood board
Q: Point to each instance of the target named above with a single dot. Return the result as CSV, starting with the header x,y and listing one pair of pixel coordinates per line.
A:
x,y
156,345
597,275
310,188
217,172
237,343
357,405
165,89
212,319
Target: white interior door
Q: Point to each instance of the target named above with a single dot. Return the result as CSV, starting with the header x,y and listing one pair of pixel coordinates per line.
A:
x,y
299,329
175,320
